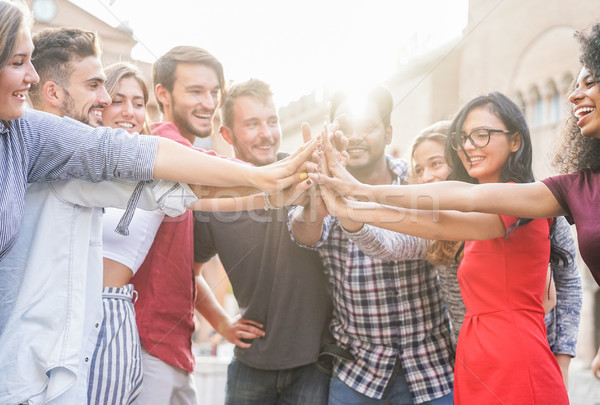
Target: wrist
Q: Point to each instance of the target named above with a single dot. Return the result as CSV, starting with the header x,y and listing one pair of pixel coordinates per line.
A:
x,y
269,205
351,226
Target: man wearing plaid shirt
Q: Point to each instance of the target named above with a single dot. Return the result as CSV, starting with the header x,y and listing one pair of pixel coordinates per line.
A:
x,y
387,310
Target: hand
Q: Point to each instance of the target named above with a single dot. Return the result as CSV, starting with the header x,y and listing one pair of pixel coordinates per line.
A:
x,y
339,141
335,204
286,172
564,360
596,365
239,328
335,176
298,194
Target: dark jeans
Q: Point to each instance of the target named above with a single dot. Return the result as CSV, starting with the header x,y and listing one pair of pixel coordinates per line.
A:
x,y
399,394
295,386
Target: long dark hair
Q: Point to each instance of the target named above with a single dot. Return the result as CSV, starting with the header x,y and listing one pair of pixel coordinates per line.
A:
x,y
517,167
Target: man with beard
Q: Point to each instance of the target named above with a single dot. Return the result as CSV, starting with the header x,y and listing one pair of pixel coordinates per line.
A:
x,y
280,287
71,75
188,84
386,312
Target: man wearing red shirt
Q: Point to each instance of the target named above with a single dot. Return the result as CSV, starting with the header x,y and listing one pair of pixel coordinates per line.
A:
x,y
188,84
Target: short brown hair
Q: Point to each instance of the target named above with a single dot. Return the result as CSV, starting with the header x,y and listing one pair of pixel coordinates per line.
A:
x,y
163,71
55,49
253,87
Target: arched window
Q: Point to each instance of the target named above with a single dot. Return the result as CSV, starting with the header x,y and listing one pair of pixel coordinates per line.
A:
x,y
554,101
537,107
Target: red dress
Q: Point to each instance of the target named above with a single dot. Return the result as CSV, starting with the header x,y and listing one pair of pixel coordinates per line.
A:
x,y
503,355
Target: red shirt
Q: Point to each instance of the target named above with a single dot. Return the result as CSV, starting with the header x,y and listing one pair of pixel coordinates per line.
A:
x,y
165,283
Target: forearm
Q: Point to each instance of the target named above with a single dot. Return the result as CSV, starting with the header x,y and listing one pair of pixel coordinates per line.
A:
x,y
529,200
436,225
178,163
306,228
208,306
223,204
564,361
569,295
223,192
388,245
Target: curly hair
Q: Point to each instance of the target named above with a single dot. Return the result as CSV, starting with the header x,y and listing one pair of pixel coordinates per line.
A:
x,y
577,152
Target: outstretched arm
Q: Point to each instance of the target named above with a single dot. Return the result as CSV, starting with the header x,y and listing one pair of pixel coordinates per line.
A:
x,y
530,200
439,225
179,163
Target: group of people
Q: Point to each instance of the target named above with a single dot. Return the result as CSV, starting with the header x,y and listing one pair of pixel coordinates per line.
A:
x,y
354,286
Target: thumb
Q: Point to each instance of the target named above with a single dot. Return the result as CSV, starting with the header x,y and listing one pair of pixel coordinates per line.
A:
x,y
306,132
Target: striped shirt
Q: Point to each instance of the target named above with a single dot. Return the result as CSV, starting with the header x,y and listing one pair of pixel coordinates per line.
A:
x,y
388,314
41,147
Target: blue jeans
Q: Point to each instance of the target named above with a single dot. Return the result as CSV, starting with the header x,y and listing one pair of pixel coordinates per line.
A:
x,y
399,394
251,386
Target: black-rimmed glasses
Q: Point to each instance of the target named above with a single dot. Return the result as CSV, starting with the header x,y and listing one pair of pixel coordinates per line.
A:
x,y
479,137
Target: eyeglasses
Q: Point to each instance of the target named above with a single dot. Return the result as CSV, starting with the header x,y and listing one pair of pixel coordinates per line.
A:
x,y
479,137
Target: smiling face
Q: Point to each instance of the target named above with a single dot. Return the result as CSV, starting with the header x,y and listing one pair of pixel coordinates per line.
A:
x,y
430,165
485,164
586,99
127,110
367,137
255,135
192,103
85,97
16,78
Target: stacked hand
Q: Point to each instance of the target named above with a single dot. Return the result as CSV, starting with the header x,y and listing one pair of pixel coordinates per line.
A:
x,y
287,172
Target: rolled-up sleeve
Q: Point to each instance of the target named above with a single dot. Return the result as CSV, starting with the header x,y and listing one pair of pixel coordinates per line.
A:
x,y
62,148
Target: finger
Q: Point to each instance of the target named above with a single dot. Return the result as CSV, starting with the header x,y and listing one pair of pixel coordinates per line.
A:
x,y
336,185
241,344
302,152
250,332
251,322
296,194
294,179
329,152
340,141
306,132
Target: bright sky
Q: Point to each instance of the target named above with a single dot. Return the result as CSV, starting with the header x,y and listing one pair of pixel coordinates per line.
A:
x,y
295,46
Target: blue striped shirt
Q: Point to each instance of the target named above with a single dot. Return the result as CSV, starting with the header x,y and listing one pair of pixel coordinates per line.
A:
x,y
41,147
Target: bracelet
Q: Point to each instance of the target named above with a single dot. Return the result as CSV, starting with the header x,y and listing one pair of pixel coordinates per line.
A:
x,y
268,205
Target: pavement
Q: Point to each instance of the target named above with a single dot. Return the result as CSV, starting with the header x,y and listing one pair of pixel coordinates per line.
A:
x,y
584,388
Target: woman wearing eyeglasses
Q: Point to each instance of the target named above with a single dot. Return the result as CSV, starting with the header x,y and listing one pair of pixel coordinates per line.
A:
x,y
502,355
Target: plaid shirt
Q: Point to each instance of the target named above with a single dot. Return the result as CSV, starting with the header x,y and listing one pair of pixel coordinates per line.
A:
x,y
386,310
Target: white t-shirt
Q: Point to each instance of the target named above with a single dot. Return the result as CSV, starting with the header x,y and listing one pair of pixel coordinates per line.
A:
x,y
130,250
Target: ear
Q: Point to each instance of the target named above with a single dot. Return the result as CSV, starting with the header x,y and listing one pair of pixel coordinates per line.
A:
x,y
162,95
388,135
227,134
515,140
53,94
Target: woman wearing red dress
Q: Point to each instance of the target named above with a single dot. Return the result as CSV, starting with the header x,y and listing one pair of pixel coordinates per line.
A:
x,y
502,356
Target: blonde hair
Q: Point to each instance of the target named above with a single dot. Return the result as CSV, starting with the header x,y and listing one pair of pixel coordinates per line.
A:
x,y
122,70
440,252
